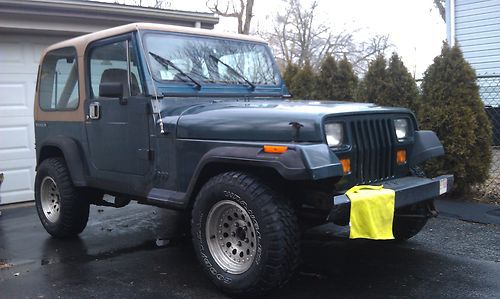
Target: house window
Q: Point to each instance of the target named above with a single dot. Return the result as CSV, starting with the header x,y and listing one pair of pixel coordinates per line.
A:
x,y
59,80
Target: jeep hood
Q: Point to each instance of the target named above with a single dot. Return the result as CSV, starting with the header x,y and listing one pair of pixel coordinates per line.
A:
x,y
260,120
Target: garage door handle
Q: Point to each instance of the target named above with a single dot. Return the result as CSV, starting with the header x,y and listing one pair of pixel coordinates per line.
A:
x,y
94,110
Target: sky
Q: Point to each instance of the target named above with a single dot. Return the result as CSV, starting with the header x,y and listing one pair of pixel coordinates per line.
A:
x,y
414,26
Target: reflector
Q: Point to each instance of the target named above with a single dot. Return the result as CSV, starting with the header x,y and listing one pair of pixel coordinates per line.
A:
x,y
275,149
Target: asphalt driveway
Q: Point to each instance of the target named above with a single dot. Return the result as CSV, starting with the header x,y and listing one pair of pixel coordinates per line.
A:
x,y
127,253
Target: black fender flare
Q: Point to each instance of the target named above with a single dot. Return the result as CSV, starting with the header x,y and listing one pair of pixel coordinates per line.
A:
x,y
72,155
425,147
299,162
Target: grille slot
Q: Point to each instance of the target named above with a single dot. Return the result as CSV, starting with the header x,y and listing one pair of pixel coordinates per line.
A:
x,y
373,150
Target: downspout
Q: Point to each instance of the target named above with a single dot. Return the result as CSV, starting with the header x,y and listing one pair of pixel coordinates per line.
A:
x,y
452,37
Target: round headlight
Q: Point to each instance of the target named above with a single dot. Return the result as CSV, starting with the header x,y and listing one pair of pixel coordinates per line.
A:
x,y
401,127
334,134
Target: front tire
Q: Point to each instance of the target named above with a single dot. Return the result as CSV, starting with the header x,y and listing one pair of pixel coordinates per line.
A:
x,y
61,210
406,227
245,234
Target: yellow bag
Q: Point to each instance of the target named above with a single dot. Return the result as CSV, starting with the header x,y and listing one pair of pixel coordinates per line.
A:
x,y
372,212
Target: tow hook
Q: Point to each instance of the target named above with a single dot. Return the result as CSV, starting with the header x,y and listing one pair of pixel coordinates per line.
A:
x,y
431,210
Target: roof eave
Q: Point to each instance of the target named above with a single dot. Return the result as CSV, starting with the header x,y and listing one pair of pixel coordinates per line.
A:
x,y
64,8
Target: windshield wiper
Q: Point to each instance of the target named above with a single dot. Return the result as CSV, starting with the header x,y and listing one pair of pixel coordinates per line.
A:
x,y
167,63
235,72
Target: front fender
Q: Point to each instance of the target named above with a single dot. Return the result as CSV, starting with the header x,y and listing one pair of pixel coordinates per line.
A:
x,y
426,146
299,162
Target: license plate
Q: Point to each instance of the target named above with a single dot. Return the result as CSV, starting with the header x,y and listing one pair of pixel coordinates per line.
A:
x,y
443,186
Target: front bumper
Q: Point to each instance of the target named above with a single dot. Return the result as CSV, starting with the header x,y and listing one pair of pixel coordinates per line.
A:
x,y
408,190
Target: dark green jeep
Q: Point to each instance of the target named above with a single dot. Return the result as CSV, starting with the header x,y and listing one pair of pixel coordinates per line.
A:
x,y
201,122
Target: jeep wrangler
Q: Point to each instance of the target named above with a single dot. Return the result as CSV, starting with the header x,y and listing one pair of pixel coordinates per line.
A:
x,y
201,122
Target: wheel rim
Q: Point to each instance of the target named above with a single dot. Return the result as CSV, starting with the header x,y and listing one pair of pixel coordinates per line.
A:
x,y
231,237
50,199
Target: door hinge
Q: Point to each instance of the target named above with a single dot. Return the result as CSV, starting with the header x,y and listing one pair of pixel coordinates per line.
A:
x,y
145,154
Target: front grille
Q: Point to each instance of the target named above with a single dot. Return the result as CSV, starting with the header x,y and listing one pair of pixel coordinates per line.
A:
x,y
373,147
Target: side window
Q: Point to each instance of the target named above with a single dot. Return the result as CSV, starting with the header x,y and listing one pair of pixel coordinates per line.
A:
x,y
59,80
116,62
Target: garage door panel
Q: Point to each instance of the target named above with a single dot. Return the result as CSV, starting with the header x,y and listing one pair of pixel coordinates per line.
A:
x,y
15,142
16,138
12,53
13,94
19,56
18,180
16,95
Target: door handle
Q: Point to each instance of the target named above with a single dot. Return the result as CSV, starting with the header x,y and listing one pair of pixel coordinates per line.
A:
x,y
94,110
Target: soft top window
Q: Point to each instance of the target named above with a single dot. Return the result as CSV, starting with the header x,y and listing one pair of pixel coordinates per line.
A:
x,y
59,80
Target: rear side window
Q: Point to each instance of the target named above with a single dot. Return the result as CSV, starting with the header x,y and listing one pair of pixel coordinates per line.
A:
x,y
59,80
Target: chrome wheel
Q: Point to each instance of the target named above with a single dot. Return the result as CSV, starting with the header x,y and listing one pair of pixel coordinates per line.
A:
x,y
50,199
231,237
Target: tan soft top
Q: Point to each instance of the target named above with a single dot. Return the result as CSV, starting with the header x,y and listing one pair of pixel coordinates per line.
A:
x,y
81,42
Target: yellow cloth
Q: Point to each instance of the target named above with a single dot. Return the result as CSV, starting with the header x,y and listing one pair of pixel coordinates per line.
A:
x,y
372,212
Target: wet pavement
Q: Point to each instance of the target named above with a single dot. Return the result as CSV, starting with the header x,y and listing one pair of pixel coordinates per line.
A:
x,y
129,253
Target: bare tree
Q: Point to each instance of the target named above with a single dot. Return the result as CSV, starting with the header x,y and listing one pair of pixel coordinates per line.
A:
x,y
362,53
242,10
146,3
440,5
299,38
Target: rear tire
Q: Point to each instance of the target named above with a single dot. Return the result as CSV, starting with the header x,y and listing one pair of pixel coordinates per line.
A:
x,y
61,210
245,234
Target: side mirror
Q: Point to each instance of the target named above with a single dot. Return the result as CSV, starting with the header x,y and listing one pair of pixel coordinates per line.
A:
x,y
112,90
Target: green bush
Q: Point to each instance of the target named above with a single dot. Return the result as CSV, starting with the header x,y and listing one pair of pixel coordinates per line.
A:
x,y
346,80
326,83
290,71
376,80
360,94
402,90
390,85
451,107
336,81
303,83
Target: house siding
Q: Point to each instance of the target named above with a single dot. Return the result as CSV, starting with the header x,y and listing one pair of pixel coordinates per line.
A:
x,y
477,31
475,26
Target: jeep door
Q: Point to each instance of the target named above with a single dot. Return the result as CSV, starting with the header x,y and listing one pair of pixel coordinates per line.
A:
x,y
117,122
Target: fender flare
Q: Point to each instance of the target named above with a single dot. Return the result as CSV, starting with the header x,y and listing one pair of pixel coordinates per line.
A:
x,y
299,162
72,155
426,146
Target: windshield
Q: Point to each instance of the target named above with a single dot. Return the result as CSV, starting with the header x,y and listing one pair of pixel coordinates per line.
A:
x,y
209,60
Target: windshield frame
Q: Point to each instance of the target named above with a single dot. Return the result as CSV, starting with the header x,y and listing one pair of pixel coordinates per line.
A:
x,y
212,86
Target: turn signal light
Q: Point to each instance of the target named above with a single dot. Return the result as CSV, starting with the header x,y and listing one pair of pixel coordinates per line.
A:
x,y
275,149
401,157
346,165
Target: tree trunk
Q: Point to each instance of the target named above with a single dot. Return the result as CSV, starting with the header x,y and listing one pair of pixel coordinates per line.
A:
x,y
248,17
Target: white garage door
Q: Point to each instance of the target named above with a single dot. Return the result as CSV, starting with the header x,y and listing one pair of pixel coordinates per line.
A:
x,y
19,57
